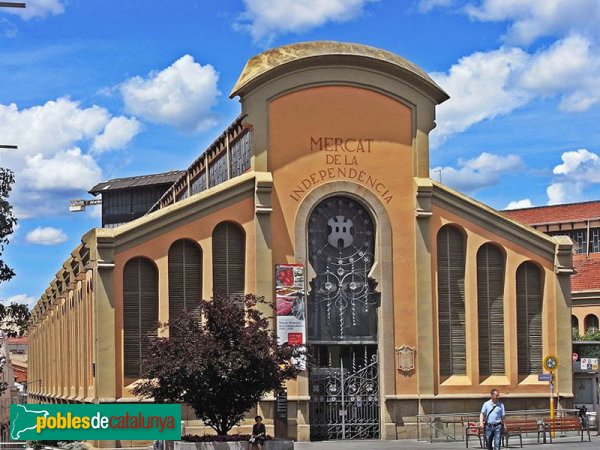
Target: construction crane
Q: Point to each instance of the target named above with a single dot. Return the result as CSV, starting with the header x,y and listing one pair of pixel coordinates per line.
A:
x,y
80,204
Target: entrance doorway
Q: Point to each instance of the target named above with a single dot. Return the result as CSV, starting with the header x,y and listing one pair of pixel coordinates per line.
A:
x,y
342,322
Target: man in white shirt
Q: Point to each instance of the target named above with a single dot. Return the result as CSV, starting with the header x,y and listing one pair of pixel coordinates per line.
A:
x,y
491,420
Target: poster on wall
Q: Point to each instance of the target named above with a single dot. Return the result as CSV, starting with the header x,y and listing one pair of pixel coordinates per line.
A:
x,y
289,301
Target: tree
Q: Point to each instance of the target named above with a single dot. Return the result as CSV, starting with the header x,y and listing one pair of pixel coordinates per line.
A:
x,y
7,219
221,363
14,319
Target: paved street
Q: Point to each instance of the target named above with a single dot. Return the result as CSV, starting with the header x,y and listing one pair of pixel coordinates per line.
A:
x,y
570,442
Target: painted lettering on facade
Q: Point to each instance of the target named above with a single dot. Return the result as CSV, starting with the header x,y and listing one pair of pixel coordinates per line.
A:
x,y
345,173
342,154
337,144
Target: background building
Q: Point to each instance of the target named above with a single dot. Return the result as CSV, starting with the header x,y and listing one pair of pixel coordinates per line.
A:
x,y
418,299
581,222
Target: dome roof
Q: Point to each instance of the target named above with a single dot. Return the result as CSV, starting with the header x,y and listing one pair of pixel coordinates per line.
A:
x,y
288,57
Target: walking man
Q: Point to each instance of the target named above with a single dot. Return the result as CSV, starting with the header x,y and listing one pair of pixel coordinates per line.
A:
x,y
491,420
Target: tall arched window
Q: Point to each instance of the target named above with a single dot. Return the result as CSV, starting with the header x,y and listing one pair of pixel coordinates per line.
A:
x,y
229,254
185,277
140,311
590,324
575,324
529,318
490,309
451,300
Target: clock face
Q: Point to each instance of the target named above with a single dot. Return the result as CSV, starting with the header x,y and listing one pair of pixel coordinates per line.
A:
x,y
550,362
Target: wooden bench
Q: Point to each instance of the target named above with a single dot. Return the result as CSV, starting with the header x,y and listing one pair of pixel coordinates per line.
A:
x,y
516,427
473,430
565,424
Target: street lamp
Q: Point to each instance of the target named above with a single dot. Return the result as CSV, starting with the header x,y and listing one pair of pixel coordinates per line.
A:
x,y
12,5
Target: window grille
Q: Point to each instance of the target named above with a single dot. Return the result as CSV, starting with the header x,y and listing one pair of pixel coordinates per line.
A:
x,y
229,254
591,323
217,170
490,301
140,312
594,240
451,301
240,155
529,318
185,277
199,184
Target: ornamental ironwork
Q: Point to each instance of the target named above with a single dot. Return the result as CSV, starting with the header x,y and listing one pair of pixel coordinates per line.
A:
x,y
344,392
343,301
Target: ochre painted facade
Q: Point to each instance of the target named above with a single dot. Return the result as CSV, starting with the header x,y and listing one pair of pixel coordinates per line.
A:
x,y
327,120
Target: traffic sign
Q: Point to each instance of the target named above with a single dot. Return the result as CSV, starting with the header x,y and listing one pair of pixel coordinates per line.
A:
x,y
544,377
550,362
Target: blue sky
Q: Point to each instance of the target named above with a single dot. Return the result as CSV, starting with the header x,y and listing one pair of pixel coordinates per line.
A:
x,y
93,90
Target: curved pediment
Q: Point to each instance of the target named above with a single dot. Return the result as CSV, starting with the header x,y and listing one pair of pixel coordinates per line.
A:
x,y
279,60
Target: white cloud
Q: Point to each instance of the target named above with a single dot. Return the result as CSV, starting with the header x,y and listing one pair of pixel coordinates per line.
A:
x,y
264,19
38,9
488,84
21,299
7,28
427,5
66,170
519,204
481,86
580,165
579,170
46,236
117,134
182,95
51,164
531,19
483,171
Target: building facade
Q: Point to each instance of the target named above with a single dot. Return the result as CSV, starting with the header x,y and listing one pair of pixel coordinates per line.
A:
x,y
581,222
417,299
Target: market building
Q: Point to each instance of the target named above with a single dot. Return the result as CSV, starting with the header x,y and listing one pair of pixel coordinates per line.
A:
x,y
411,296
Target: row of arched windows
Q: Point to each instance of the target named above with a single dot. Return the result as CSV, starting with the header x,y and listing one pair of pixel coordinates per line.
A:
x,y
590,323
140,286
491,267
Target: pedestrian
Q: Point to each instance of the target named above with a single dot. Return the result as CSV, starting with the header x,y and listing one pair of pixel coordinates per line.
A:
x,y
491,420
259,434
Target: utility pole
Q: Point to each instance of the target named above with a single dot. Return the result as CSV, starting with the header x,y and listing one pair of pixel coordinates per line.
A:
x,y
12,5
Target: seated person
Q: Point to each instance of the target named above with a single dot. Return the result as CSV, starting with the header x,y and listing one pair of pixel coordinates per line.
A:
x,y
259,433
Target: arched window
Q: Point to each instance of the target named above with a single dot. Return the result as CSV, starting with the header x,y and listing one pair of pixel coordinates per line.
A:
x,y
591,323
185,277
451,300
140,311
490,309
529,318
575,324
229,252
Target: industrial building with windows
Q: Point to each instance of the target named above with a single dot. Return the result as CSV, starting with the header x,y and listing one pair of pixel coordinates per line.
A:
x,y
418,299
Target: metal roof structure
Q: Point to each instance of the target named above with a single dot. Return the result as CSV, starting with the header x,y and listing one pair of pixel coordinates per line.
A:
x,y
137,181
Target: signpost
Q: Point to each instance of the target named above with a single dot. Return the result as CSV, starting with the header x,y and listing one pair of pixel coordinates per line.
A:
x,y
550,363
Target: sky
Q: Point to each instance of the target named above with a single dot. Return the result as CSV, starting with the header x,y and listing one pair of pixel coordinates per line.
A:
x,y
94,90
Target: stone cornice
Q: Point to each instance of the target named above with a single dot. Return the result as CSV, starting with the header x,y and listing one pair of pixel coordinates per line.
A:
x,y
486,217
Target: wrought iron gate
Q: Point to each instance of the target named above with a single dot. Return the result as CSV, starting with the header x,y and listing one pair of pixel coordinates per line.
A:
x,y
345,399
342,322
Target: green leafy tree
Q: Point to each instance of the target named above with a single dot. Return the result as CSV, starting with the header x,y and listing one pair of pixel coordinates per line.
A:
x,y
7,219
7,225
221,360
587,351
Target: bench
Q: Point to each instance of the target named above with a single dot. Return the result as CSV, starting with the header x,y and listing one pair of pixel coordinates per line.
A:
x,y
516,427
565,424
473,430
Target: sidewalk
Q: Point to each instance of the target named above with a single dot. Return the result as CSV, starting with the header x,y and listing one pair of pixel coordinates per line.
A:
x,y
570,442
